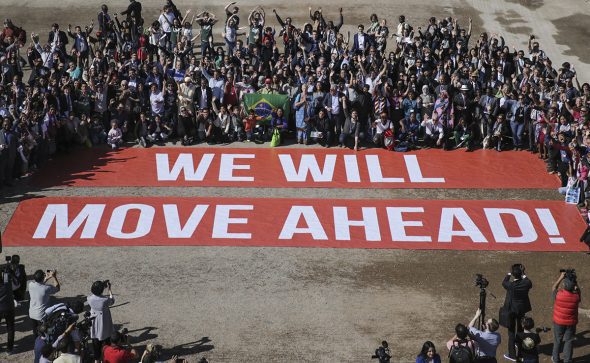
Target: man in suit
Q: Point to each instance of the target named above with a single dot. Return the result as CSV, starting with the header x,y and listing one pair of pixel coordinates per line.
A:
x,y
58,38
517,303
333,105
8,145
361,41
203,95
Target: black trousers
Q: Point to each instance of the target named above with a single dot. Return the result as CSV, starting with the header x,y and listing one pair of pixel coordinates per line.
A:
x,y
515,327
8,316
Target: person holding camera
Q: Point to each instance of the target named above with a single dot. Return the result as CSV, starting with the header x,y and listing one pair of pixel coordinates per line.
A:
x,y
565,314
461,347
382,353
8,285
516,305
21,275
40,291
64,346
102,326
487,340
119,351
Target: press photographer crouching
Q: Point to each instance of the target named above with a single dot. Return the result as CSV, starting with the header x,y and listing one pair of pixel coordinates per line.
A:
x,y
487,338
119,351
60,320
565,314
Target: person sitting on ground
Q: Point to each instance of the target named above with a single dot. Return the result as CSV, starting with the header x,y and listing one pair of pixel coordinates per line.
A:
x,y
115,136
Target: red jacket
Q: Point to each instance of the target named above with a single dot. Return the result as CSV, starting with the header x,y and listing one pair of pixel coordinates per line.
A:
x,y
565,308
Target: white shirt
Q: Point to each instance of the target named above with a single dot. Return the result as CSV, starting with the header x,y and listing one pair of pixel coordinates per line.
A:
x,y
165,20
157,103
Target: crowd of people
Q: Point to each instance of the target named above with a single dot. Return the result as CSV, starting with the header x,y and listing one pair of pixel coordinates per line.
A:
x,y
123,79
479,340
62,335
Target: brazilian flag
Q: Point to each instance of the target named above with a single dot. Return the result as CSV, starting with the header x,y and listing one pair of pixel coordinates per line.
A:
x,y
263,104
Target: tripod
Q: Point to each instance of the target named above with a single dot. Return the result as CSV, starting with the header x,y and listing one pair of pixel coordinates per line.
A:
x,y
482,307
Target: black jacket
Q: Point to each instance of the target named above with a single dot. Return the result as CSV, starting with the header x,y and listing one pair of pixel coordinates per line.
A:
x,y
6,294
517,295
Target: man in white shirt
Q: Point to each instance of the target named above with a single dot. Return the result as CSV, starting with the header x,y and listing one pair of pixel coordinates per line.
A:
x,y
156,100
380,125
434,131
40,291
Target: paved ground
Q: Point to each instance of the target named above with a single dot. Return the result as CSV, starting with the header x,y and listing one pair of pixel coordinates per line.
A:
x,y
309,305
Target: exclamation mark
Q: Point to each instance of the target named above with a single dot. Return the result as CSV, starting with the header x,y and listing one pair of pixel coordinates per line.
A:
x,y
549,224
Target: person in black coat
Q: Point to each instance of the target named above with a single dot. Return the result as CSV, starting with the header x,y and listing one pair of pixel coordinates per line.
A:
x,y
8,283
133,13
58,36
19,272
516,303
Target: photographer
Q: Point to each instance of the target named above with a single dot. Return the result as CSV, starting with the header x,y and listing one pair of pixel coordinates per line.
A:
x,y
102,326
40,291
119,351
64,346
21,275
8,284
382,353
565,314
487,340
516,305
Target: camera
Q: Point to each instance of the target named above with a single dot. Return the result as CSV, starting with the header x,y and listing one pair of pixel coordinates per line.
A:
x,y
8,258
481,281
543,329
570,274
86,323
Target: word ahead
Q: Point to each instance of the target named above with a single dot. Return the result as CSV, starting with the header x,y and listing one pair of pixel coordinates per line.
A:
x,y
293,168
462,225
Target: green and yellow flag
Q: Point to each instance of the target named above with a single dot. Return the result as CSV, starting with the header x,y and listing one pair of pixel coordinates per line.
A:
x,y
263,104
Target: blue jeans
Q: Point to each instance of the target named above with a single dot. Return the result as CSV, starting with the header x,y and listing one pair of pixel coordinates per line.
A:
x,y
565,333
517,130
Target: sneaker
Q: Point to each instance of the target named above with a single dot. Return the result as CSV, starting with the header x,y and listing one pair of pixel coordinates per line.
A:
x,y
508,357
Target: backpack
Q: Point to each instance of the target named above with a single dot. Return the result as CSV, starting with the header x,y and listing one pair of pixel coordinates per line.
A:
x,y
461,352
388,139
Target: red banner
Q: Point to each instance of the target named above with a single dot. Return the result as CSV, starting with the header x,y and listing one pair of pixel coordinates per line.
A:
x,y
293,168
403,224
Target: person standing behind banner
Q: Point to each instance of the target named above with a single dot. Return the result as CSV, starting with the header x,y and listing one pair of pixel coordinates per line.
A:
x,y
565,314
516,305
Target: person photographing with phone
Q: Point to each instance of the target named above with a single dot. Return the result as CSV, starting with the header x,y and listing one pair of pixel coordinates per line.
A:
x,y
40,289
516,305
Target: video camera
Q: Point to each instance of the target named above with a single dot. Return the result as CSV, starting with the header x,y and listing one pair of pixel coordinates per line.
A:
x,y
570,274
481,281
86,323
